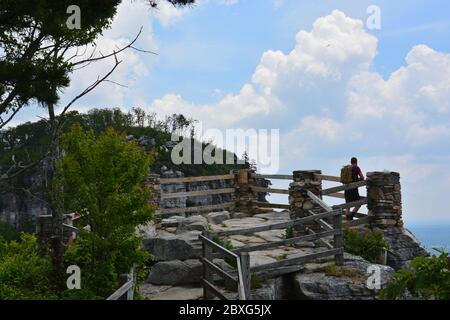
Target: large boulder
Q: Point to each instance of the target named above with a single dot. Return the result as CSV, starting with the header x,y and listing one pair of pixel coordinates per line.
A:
x,y
193,223
174,247
171,222
176,272
403,247
218,217
146,230
154,292
348,283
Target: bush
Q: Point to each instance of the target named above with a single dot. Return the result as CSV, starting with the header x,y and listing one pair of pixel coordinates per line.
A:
x,y
23,272
428,278
8,232
101,262
289,233
369,245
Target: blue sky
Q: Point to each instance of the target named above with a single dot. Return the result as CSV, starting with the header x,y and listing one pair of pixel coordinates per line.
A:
x,y
311,69
237,35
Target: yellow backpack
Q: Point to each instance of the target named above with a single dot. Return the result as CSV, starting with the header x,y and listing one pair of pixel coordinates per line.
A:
x,y
347,174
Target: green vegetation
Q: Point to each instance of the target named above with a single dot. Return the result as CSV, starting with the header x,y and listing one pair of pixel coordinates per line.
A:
x,y
27,142
227,244
341,271
89,169
289,233
369,244
35,39
101,178
281,257
23,272
255,282
428,278
8,232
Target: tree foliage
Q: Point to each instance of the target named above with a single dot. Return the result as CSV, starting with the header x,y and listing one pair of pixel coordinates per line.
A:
x,y
36,59
35,39
428,278
101,178
23,272
8,232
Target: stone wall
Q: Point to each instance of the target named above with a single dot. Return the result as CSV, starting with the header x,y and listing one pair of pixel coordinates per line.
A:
x,y
299,201
153,182
384,199
244,196
173,188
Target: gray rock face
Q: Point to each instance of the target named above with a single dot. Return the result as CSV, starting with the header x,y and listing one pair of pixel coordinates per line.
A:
x,y
173,188
152,292
403,247
273,289
181,247
146,231
239,215
21,209
218,217
172,222
351,286
176,272
146,142
194,223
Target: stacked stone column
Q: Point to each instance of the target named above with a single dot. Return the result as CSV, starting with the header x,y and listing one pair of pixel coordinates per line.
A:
x,y
384,199
299,201
244,196
153,182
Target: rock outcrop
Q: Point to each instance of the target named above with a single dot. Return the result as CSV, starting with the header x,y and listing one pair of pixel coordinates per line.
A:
x,y
176,249
176,272
328,282
403,247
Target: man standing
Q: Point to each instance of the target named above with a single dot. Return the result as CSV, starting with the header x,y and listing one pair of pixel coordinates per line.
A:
x,y
352,195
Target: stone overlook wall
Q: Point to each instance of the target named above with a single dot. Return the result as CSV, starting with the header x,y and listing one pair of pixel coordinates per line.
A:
x,y
299,201
384,199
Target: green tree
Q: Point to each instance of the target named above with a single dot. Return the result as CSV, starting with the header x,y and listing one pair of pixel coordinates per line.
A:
x,y
428,278
35,42
101,177
39,52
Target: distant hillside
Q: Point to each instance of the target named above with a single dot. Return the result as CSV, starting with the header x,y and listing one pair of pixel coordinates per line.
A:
x,y
21,198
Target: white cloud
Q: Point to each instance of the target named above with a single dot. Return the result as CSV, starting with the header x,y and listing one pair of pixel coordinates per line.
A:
x,y
324,58
324,96
414,101
277,3
224,114
134,66
325,128
167,14
327,87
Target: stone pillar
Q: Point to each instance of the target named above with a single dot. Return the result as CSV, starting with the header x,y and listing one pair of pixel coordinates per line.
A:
x,y
244,196
384,199
44,229
154,184
299,201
